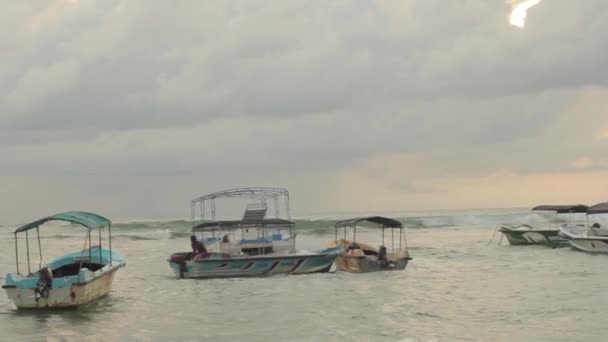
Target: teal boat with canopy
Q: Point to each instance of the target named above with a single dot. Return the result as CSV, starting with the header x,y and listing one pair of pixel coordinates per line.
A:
x,y
70,280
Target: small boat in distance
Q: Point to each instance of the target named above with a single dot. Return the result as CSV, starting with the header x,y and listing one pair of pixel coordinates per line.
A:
x,y
589,238
531,234
70,280
360,257
252,246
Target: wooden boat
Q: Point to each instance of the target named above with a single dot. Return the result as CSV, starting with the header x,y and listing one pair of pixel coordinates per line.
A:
x,y
535,234
359,257
252,246
70,280
588,238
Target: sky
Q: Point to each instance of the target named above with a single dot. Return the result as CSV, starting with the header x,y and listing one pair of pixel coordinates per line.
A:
x,y
132,108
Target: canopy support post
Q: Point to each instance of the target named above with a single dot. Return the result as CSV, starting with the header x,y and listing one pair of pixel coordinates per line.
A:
x,y
213,209
17,253
110,241
90,248
383,236
39,248
100,255
393,239
336,236
27,247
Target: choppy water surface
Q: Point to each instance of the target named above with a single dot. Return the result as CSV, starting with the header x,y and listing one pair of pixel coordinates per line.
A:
x,y
456,288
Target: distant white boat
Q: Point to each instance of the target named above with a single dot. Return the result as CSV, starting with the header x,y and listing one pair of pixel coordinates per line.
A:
x,y
531,234
589,238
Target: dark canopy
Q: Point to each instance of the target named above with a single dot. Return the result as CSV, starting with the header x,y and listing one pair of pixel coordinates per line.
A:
x,y
385,222
236,224
85,219
563,209
601,208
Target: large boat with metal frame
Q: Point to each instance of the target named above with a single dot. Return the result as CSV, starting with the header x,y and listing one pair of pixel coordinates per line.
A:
x,y
254,245
70,280
585,237
541,234
358,257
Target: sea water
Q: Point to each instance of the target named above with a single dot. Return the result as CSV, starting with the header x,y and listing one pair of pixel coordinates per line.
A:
x,y
457,288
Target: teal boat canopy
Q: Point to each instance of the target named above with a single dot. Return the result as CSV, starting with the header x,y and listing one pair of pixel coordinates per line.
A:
x,y
86,219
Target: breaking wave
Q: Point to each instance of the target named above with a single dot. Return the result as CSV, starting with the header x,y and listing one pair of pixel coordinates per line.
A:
x,y
172,229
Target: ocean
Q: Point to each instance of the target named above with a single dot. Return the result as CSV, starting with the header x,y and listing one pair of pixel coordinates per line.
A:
x,y
461,286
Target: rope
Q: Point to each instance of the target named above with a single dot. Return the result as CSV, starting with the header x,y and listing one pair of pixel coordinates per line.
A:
x,y
493,235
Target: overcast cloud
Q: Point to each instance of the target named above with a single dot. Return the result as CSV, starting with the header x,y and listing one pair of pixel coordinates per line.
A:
x,y
132,108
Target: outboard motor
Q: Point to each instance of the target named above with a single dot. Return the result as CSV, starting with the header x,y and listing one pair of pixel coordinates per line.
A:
x,y
45,283
180,259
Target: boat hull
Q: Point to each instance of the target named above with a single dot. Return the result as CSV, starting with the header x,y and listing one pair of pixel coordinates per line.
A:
x,y
524,237
364,264
64,297
582,240
257,266
590,245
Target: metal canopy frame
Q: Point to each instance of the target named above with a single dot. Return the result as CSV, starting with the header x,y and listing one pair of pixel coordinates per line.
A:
x,y
383,222
75,217
261,194
570,209
235,224
254,216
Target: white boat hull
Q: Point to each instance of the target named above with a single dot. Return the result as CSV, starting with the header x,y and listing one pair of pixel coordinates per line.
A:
x,y
64,297
590,245
584,241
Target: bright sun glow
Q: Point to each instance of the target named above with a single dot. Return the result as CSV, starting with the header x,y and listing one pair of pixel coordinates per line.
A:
x,y
520,11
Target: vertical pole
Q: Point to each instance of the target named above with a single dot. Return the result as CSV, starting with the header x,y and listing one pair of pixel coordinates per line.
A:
x,y
110,240
355,233
213,209
100,256
393,238
336,234
400,238
192,212
39,248
287,206
277,212
27,247
532,218
90,249
17,253
383,237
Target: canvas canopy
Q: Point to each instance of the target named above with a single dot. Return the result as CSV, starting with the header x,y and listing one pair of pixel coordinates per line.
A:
x,y
85,219
385,222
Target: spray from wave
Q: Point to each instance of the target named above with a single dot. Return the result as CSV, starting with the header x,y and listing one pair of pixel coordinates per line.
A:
x,y
519,11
